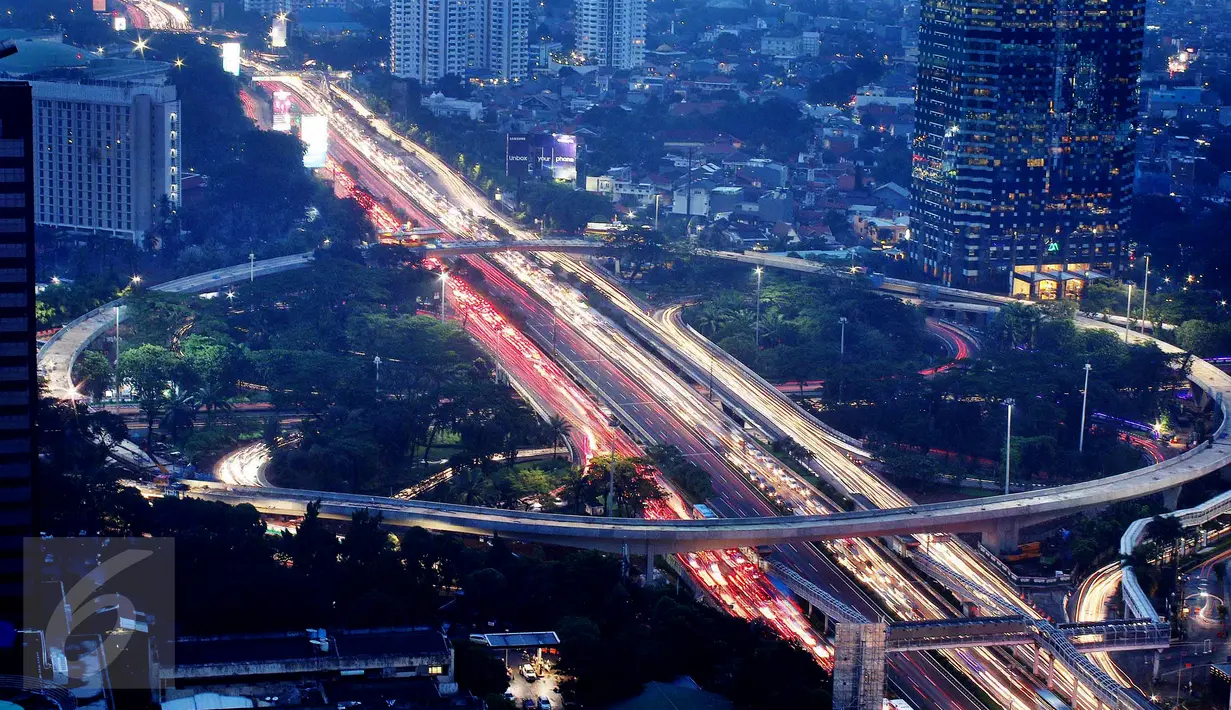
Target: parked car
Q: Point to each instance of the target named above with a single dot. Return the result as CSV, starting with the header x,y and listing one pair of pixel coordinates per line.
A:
x,y
527,672
544,703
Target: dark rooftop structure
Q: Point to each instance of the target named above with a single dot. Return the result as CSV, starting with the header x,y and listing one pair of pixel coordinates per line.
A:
x,y
534,639
314,653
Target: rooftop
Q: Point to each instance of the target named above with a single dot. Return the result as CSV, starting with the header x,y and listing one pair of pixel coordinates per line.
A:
x,y
265,648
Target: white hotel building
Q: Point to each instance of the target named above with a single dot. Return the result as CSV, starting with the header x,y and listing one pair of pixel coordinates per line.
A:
x,y
434,38
106,153
610,33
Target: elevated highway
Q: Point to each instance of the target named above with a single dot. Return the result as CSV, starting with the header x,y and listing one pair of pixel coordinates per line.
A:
x,y
662,536
58,354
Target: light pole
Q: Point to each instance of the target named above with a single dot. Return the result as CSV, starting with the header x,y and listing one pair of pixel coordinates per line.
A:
x,y
1145,292
759,271
1085,392
1128,311
1008,443
376,362
444,279
117,346
611,474
251,266
657,197
842,342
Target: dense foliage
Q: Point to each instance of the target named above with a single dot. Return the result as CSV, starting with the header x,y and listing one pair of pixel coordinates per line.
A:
x,y
306,342
1038,361
801,336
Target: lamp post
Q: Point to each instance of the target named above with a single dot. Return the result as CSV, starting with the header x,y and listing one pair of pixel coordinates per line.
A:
x,y
657,197
1008,443
376,362
1085,392
1128,310
444,279
759,271
1145,293
842,341
251,266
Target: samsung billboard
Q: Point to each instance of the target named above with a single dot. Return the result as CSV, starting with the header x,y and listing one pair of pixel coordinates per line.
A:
x,y
534,154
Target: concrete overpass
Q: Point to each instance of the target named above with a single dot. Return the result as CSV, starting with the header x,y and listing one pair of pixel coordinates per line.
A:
x,y
1001,514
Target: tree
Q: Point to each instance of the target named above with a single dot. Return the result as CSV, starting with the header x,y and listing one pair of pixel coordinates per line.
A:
x,y
558,430
478,670
95,374
181,413
147,369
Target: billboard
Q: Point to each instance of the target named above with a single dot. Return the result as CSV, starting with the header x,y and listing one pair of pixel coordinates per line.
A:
x,y
277,35
119,23
535,154
282,111
563,157
517,155
230,58
314,132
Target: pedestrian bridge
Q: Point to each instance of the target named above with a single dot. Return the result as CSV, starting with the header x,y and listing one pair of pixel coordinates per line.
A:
x,y
564,246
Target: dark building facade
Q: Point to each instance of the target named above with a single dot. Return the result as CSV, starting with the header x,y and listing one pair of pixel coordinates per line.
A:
x,y
18,381
1024,142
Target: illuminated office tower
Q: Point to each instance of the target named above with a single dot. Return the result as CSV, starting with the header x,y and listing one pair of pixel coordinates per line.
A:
x,y
1024,142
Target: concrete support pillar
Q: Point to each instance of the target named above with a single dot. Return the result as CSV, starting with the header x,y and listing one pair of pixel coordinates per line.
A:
x,y
809,609
1002,538
1158,657
1171,498
649,564
1051,674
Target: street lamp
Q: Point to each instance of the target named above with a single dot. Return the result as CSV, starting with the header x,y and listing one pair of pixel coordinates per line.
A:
x,y
1008,443
444,279
759,271
842,342
376,362
136,280
1145,292
251,266
1128,310
1085,391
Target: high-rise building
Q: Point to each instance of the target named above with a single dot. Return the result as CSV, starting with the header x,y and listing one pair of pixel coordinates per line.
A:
x,y
18,378
434,38
273,7
108,149
610,33
1024,144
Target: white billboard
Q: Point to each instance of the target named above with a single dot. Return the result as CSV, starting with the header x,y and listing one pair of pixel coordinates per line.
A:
x,y
119,23
314,132
230,58
277,35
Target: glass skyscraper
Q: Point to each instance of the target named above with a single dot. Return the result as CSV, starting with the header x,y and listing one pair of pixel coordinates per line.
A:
x,y
1023,148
